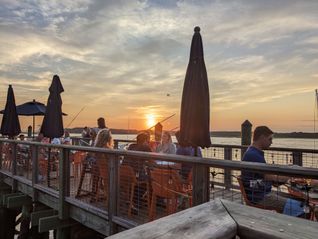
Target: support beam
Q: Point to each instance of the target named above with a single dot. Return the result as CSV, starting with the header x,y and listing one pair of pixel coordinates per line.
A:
x,y
18,201
36,216
6,196
53,222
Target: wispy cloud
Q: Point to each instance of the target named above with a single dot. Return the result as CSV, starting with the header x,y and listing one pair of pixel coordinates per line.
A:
x,y
124,57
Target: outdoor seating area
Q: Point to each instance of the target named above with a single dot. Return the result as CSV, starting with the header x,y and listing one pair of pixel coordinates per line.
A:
x,y
160,192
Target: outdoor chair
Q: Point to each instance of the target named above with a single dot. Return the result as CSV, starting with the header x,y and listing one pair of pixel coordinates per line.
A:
x,y
128,184
100,179
165,183
6,157
77,162
247,201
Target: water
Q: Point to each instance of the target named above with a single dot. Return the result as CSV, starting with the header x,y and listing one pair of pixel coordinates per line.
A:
x,y
277,142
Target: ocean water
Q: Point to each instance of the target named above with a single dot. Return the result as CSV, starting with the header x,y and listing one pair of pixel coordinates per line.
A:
x,y
277,142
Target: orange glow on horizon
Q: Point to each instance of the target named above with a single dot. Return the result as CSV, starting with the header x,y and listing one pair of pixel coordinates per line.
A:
x,y
150,120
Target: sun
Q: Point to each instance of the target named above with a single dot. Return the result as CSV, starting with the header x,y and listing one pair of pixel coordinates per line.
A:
x,y
150,120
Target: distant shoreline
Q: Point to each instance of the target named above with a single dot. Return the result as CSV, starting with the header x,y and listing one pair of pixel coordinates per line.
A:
x,y
226,134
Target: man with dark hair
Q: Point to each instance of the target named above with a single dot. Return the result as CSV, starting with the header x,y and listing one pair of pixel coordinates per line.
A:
x,y
137,164
101,123
139,167
258,187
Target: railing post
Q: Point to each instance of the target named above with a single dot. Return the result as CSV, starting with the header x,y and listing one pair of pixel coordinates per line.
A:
x,y
113,193
227,172
200,182
1,154
35,170
298,158
64,191
14,166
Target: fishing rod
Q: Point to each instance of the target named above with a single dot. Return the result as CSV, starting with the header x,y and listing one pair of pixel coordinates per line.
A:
x,y
161,121
174,128
75,117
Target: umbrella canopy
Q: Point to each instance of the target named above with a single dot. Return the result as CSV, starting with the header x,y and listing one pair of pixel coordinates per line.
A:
x,y
10,124
52,125
195,105
31,108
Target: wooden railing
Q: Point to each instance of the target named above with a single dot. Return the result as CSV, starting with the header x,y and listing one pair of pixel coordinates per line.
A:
x,y
68,206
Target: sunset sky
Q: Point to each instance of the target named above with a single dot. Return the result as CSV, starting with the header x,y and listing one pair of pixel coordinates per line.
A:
x,y
126,60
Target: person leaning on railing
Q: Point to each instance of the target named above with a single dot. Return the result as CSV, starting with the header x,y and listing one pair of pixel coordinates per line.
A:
x,y
258,186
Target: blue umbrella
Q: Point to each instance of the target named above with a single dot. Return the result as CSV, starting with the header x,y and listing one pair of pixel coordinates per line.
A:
x,y
31,108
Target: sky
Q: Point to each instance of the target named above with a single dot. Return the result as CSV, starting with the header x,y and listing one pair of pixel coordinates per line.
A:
x,y
126,60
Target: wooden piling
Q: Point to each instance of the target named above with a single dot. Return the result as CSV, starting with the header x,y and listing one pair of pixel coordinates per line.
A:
x,y
246,135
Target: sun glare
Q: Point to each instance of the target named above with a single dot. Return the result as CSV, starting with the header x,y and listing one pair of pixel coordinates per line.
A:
x,y
151,121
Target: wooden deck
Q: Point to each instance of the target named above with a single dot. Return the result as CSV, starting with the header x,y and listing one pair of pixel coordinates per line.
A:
x,y
224,219
62,209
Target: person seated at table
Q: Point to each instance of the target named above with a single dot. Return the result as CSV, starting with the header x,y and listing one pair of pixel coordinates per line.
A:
x,y
67,138
84,141
40,138
104,139
258,186
142,145
140,168
186,151
166,146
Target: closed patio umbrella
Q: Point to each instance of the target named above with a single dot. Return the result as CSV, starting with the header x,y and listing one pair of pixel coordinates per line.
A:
x,y
10,124
195,105
52,125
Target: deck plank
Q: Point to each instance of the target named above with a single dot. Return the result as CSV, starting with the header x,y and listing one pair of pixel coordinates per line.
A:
x,y
257,223
209,220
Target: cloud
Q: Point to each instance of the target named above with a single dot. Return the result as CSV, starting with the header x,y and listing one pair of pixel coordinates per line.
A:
x,y
122,56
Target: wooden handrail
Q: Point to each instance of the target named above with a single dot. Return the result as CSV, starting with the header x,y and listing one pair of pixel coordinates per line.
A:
x,y
209,162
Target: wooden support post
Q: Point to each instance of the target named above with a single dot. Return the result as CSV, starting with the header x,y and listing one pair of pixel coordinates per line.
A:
x,y
7,222
1,154
113,193
38,212
227,172
200,182
25,223
14,166
53,222
64,191
246,138
35,216
7,216
6,196
18,201
35,170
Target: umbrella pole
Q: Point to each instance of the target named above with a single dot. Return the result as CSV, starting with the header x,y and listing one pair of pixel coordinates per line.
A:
x,y
33,126
49,167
